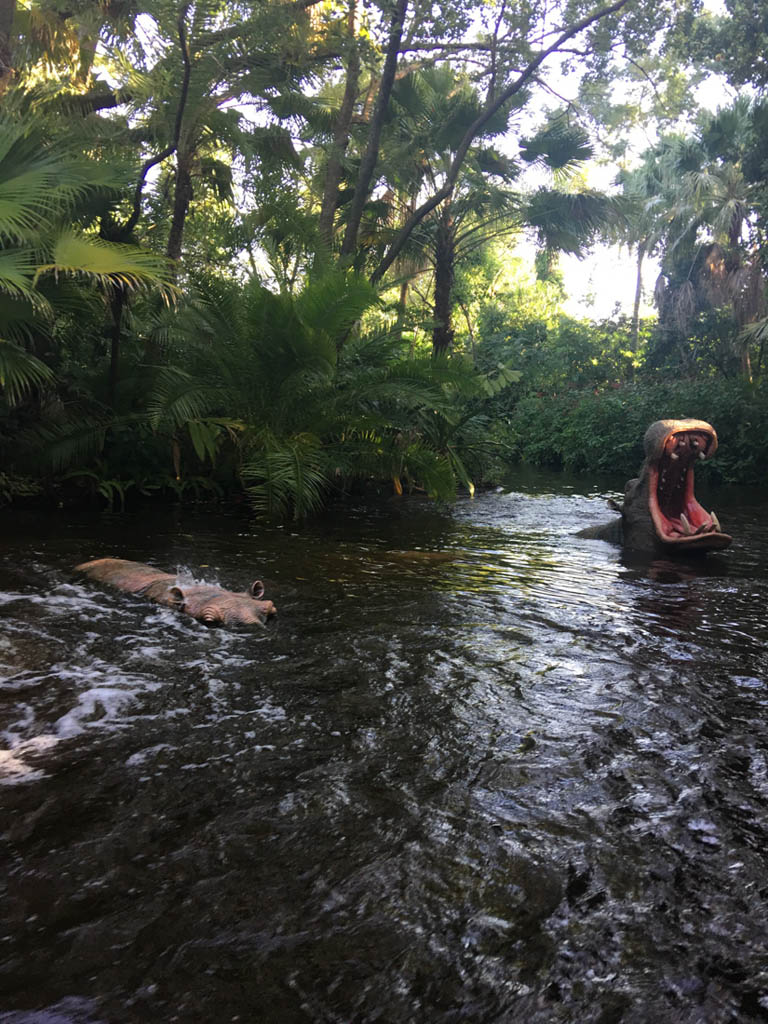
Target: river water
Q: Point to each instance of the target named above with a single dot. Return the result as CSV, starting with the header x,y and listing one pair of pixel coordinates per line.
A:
x,y
478,770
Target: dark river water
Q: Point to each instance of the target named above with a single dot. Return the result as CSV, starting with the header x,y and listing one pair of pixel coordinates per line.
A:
x,y
478,770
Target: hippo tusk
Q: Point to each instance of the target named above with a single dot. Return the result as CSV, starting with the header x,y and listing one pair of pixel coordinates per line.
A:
x,y
715,522
702,455
674,455
687,529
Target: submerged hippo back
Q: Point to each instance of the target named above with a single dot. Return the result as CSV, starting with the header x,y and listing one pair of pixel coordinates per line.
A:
x,y
132,577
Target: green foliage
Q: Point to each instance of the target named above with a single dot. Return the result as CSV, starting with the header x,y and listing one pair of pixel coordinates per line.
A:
x,y
602,432
303,415
20,372
286,475
15,488
560,145
259,360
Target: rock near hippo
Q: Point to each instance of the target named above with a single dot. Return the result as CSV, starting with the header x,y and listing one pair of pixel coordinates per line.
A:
x,y
203,601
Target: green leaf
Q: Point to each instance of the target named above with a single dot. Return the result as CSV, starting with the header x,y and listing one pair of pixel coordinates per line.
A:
x,y
20,372
204,435
107,263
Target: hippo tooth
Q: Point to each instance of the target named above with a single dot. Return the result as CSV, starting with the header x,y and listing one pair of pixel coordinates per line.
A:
x,y
674,456
702,455
686,525
715,522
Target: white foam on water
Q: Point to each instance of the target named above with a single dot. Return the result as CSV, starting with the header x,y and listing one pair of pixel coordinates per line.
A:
x,y
149,753
70,698
100,706
70,601
70,1010
14,733
13,767
23,680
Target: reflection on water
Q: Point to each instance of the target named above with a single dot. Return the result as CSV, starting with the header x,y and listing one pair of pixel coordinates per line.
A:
x,y
478,770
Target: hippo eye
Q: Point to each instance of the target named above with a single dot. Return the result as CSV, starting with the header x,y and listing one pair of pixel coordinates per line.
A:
x,y
257,589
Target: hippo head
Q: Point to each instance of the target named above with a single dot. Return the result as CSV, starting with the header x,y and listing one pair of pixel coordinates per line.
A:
x,y
661,506
216,607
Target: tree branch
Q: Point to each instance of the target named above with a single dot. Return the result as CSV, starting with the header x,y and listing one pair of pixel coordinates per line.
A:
x,y
371,154
90,102
170,149
340,142
490,109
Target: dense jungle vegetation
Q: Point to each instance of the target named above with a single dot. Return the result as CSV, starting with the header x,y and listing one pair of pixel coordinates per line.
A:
x,y
273,249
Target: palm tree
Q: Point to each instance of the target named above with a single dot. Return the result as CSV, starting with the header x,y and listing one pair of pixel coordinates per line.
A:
x,y
708,223
431,109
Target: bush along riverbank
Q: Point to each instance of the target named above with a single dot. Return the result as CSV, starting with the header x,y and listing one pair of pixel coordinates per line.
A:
x,y
602,432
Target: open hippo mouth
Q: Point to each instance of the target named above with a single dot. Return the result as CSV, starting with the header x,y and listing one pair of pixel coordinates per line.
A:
x,y
677,516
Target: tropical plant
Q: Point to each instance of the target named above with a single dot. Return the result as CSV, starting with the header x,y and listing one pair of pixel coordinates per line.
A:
x,y
44,191
700,204
303,415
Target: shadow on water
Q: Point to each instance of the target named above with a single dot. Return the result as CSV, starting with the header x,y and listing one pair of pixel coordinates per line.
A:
x,y
479,770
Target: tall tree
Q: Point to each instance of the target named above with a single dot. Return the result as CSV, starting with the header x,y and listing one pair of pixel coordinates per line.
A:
x,y
371,151
495,103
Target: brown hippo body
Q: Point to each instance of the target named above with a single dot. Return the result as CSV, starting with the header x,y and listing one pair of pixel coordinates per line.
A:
x,y
660,511
203,601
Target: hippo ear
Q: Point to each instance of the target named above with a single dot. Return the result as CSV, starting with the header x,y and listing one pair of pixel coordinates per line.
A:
x,y
175,597
256,589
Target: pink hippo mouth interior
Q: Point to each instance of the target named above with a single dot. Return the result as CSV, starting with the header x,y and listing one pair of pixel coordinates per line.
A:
x,y
677,516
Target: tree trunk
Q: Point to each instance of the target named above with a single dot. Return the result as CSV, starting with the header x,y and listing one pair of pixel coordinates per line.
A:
x,y
746,363
117,304
7,12
371,154
181,201
340,133
633,341
445,248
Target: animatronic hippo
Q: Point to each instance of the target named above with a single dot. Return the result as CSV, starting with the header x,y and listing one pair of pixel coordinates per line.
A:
x,y
204,601
660,511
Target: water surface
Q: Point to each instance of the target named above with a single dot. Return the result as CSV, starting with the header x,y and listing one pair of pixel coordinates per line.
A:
x,y
479,770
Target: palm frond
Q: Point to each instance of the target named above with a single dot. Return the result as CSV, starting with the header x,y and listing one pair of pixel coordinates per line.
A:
x,y
38,182
17,270
178,397
559,145
570,222
107,264
289,477
335,302
59,446
20,372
